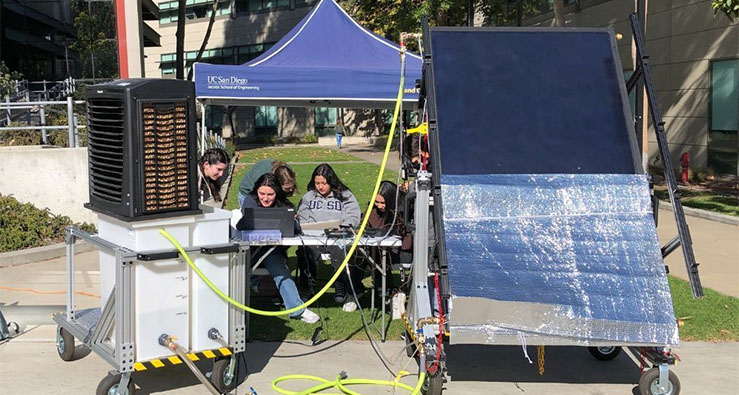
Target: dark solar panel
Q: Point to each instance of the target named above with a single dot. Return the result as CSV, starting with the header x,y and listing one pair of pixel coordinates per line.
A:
x,y
530,102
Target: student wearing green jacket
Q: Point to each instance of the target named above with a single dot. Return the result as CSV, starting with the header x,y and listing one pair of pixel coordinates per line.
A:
x,y
285,175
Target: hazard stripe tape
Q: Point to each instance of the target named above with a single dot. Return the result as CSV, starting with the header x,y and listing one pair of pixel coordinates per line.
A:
x,y
175,360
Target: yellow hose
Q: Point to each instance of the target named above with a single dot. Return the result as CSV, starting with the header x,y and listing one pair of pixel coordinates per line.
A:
x,y
339,383
348,255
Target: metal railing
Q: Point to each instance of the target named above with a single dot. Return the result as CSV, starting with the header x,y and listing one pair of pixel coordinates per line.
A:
x,y
72,126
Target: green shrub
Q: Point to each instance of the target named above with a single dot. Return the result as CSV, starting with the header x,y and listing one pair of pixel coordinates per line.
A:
x,y
25,226
701,175
309,139
230,148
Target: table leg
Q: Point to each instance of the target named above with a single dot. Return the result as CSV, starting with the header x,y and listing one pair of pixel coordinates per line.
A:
x,y
382,298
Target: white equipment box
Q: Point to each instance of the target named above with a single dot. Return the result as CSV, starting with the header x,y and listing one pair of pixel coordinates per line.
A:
x,y
168,296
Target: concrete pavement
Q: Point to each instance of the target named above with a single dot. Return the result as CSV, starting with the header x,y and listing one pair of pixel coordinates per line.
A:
x,y
29,365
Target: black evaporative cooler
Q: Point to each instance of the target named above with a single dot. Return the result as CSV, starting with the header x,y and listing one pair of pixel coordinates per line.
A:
x,y
142,148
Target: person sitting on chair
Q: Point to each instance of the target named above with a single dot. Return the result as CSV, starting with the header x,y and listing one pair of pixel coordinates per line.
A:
x,y
268,193
285,175
327,199
385,216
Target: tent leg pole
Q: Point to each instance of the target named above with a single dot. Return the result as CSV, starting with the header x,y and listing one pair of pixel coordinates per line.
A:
x,y
202,128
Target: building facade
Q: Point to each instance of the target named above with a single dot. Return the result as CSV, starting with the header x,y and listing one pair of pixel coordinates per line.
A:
x,y
35,37
244,29
694,57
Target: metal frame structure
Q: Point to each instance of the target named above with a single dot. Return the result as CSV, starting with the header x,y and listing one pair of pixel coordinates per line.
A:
x,y
643,73
93,327
428,262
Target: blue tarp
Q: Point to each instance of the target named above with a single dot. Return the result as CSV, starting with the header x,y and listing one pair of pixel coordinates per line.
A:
x,y
328,59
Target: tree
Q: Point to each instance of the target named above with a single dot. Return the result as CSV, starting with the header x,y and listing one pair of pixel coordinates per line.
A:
x,y
559,17
206,38
6,79
391,17
730,8
95,39
180,37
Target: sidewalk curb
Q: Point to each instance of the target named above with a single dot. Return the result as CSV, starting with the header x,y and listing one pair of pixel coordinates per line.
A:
x,y
694,212
37,254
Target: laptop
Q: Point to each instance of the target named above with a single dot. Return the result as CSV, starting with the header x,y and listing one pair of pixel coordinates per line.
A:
x,y
321,226
282,219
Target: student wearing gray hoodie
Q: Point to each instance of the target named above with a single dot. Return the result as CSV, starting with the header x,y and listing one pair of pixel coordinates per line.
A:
x,y
327,199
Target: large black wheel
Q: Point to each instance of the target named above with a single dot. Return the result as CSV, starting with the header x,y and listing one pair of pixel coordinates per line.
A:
x,y
648,383
410,346
109,385
605,353
64,344
433,383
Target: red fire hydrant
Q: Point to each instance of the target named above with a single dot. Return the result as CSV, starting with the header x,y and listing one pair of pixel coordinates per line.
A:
x,y
685,163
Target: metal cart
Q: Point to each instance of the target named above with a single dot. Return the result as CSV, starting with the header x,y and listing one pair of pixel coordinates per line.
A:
x,y
94,327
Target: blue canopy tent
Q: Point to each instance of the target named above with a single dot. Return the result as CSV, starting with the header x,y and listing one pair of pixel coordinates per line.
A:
x,y
326,60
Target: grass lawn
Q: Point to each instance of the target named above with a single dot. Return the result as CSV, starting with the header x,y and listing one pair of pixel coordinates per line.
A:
x,y
336,323
296,154
705,200
359,177
714,318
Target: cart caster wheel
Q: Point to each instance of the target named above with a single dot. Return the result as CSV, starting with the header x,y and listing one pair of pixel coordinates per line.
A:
x,y
433,384
220,377
605,353
64,344
648,383
109,385
410,347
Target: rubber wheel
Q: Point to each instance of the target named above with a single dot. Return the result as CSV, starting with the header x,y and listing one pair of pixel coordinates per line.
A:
x,y
433,384
64,344
109,385
605,353
648,383
220,377
410,347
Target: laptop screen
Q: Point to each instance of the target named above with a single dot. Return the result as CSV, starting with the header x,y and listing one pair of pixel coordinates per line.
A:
x,y
282,219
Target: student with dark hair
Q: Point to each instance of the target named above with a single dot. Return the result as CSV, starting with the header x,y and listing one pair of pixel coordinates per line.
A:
x,y
327,199
211,167
268,193
285,176
385,216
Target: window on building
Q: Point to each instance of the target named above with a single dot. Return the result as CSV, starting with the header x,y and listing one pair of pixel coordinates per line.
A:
x,y
229,55
214,116
325,120
723,142
194,9
260,5
265,121
304,3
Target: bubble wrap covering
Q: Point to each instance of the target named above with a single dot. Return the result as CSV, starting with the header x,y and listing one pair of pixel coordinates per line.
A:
x,y
573,257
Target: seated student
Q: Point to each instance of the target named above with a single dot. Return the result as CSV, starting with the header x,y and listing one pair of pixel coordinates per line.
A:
x,y
267,192
384,215
285,176
211,167
327,199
